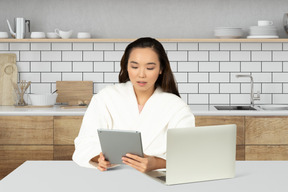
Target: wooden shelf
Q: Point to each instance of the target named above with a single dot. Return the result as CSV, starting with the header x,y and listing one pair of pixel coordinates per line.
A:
x,y
130,40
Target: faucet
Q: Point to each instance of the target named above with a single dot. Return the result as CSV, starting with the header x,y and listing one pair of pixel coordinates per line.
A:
x,y
252,98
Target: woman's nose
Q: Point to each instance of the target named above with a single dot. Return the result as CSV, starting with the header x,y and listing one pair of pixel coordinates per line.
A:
x,y
141,73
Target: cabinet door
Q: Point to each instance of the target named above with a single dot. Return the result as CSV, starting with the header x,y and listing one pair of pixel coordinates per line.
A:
x,y
266,130
266,152
26,130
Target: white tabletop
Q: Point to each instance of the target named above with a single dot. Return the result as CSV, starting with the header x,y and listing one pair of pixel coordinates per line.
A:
x,y
53,176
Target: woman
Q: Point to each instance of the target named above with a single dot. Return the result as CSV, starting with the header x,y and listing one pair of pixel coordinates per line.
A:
x,y
146,100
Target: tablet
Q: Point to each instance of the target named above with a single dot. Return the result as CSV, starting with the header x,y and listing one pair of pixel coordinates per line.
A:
x,y
117,143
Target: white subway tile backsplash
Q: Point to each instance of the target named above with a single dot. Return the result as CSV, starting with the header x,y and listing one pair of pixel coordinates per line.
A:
x,y
61,46
19,46
61,66
229,88
51,55
188,87
40,66
17,53
229,46
272,66
187,66
173,66
181,77
99,86
208,66
82,46
187,46
233,77
209,88
103,46
208,46
229,66
198,77
280,99
219,55
40,46
250,46
23,66
184,97
93,55
250,66
104,66
280,55
50,77
72,77
285,66
240,55
120,46
218,99
82,66
280,77
29,55
198,99
117,67
264,99
246,87
72,56
4,46
261,56
198,56
40,88
285,87
113,55
285,46
272,88
272,46
95,77
170,46
262,77
111,77
33,77
240,99
219,77
177,55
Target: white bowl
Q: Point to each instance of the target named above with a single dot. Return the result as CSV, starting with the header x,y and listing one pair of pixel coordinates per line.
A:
x,y
37,35
52,35
43,99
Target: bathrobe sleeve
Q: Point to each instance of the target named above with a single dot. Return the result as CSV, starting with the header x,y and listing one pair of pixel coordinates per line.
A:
x,y
87,143
184,118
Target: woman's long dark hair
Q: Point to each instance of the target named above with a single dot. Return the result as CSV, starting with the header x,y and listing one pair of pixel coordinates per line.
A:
x,y
166,79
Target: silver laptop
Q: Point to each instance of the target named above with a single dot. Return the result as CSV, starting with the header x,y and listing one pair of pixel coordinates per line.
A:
x,y
199,154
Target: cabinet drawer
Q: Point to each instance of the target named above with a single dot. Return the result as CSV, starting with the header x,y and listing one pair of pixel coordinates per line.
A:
x,y
63,152
26,130
266,130
266,152
66,129
222,120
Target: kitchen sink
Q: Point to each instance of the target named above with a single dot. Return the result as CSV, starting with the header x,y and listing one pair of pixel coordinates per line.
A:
x,y
238,108
274,107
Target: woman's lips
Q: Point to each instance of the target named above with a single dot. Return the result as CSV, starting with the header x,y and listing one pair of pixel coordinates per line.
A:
x,y
141,83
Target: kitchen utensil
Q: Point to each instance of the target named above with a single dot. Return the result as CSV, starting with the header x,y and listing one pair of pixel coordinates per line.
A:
x,y
55,91
52,35
47,99
285,22
3,35
8,76
83,35
20,91
64,34
37,35
73,91
20,27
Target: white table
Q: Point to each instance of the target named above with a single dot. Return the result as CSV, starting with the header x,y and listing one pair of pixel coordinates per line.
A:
x,y
54,176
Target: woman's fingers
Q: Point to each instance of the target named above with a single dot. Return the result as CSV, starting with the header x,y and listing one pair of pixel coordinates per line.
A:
x,y
102,163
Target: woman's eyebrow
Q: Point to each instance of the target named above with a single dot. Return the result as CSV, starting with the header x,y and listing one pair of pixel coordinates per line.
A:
x,y
133,62
151,63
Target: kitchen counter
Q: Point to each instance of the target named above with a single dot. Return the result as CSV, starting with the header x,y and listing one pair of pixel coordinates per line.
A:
x,y
198,110
50,176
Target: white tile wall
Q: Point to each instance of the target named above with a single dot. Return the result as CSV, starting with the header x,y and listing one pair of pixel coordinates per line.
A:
x,y
205,72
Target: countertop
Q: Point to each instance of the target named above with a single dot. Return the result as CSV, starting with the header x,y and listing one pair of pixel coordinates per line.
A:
x,y
198,110
32,176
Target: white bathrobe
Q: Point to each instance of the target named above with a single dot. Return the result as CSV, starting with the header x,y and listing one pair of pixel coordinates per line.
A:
x,y
116,107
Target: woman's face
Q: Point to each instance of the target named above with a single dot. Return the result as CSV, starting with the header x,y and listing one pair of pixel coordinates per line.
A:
x,y
143,69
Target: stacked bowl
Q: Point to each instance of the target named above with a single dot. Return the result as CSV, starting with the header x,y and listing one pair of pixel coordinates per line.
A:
x,y
228,32
265,29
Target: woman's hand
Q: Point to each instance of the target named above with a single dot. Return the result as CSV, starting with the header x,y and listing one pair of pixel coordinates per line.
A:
x,y
144,164
103,165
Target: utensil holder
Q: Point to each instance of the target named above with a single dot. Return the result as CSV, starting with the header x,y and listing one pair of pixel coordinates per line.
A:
x,y
20,93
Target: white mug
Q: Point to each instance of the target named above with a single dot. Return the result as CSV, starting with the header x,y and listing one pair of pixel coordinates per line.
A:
x,y
3,35
64,34
265,23
83,35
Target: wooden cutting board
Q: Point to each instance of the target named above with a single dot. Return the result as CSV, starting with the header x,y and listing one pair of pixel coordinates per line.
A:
x,y
8,75
72,92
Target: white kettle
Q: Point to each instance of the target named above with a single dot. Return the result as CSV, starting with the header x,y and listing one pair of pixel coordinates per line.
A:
x,y
20,27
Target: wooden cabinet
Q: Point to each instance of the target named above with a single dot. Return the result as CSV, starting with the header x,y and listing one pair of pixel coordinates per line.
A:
x,y
24,138
222,120
266,138
66,129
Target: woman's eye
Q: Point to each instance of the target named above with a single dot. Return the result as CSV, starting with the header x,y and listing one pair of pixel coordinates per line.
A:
x,y
134,67
150,68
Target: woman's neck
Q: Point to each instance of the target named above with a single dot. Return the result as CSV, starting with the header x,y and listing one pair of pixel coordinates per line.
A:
x,y
143,96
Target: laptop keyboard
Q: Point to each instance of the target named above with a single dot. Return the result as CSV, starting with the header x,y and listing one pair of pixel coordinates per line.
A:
x,y
162,178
